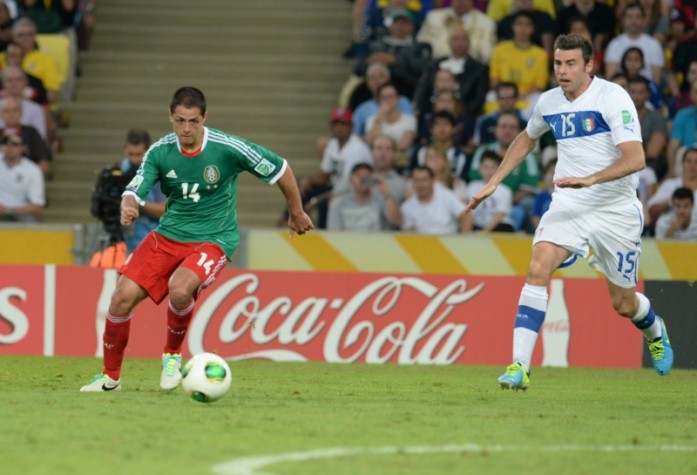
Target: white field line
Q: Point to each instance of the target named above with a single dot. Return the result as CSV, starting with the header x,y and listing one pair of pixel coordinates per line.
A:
x,y
252,465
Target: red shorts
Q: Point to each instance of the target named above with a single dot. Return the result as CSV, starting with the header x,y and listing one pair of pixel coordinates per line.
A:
x,y
157,257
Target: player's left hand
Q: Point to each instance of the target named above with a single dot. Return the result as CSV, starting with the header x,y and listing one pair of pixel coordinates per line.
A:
x,y
300,224
574,182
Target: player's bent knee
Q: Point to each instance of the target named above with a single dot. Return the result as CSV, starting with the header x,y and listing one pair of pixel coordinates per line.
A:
x,y
179,295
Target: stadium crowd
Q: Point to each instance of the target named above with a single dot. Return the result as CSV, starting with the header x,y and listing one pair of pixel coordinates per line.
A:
x,y
39,45
438,90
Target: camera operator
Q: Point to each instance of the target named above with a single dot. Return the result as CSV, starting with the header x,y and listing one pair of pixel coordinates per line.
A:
x,y
112,182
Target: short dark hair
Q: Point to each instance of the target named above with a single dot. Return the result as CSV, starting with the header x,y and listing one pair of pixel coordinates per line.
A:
x,y
573,41
524,13
423,168
444,115
684,193
506,85
362,166
137,137
189,97
490,155
631,5
639,79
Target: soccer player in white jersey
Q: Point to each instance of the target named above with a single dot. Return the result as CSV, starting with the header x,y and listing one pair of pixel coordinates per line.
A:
x,y
197,169
594,201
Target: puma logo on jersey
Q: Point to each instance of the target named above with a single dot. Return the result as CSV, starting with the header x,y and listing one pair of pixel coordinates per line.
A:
x,y
171,174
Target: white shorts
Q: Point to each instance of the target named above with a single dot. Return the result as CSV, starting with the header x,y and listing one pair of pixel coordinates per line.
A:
x,y
614,234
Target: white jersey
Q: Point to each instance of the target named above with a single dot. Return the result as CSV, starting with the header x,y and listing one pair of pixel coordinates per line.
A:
x,y
588,131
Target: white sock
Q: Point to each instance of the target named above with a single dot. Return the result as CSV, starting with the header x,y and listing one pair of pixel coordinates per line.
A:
x,y
646,320
524,338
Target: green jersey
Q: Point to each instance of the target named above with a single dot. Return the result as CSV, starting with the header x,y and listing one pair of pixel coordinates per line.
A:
x,y
201,189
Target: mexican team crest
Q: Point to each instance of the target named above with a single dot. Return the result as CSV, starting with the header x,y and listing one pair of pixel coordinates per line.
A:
x,y
211,174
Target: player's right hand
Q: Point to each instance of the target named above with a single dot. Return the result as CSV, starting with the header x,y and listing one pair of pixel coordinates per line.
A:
x,y
128,215
479,197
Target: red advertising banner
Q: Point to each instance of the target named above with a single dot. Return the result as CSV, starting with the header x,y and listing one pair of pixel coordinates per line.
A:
x,y
322,316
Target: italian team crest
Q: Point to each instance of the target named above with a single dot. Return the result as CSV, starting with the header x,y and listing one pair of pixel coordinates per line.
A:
x,y
588,124
211,174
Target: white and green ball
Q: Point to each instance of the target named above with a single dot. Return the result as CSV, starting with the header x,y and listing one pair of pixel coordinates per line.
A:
x,y
206,377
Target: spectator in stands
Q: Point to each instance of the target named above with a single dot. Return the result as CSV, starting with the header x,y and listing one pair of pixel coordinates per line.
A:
x,y
494,217
506,99
471,76
598,16
660,201
342,152
621,79
545,25
544,197
633,24
22,194
500,9
432,209
442,139
52,16
440,22
383,150
437,160
34,90
36,62
377,76
681,221
523,180
390,121
5,26
683,133
14,84
406,58
447,100
578,26
37,150
682,95
653,125
137,143
631,64
368,206
520,61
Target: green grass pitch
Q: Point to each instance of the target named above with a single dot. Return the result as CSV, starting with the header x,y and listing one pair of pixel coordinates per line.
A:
x,y
317,418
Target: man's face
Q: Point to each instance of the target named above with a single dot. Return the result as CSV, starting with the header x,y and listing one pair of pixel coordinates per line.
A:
x,y
639,94
462,6
570,70
683,209
423,184
341,130
188,125
383,153
135,153
376,79
24,37
14,83
358,180
523,28
633,21
401,27
689,165
487,169
13,152
11,113
506,97
506,130
442,130
459,43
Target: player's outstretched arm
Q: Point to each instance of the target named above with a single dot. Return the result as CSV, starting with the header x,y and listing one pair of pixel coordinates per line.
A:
x,y
298,221
517,151
631,160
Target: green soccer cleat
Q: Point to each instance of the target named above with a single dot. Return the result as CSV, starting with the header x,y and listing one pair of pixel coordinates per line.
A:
x,y
171,371
514,378
661,351
101,383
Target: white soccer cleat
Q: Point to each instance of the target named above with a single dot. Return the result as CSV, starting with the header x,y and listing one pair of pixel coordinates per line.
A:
x,y
171,371
101,383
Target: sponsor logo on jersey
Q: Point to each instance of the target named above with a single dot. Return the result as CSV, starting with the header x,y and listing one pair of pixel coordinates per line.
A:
x,y
264,167
626,117
211,174
588,124
171,174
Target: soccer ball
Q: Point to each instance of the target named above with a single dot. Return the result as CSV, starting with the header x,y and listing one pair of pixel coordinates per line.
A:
x,y
206,377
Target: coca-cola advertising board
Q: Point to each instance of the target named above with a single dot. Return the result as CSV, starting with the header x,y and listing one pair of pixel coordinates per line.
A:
x,y
322,316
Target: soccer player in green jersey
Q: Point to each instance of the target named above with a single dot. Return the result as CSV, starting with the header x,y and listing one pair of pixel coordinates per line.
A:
x,y
197,169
